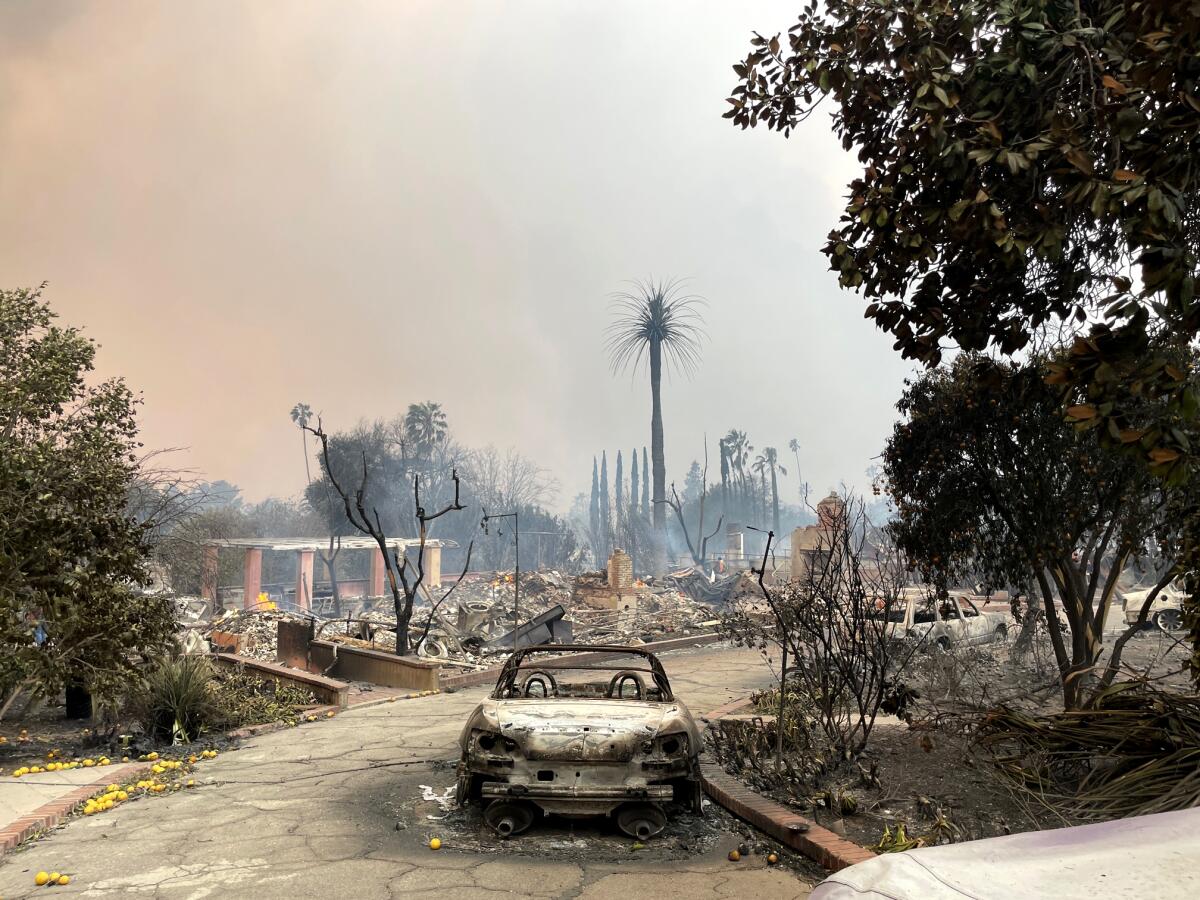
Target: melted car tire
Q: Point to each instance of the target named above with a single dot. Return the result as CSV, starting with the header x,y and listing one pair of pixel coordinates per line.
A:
x,y
641,821
507,818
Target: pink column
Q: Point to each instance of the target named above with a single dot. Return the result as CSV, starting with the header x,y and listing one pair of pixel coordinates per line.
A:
x,y
378,573
209,573
251,578
304,579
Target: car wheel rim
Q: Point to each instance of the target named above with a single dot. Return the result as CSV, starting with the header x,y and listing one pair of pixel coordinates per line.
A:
x,y
1169,620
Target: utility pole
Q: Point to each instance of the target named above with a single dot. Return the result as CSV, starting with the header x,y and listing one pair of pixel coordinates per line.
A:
x,y
516,517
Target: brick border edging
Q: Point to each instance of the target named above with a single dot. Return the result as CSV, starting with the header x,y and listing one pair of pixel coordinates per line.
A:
x,y
48,815
488,676
832,851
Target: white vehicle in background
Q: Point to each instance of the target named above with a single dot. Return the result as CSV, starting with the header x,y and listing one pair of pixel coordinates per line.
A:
x,y
954,621
1166,611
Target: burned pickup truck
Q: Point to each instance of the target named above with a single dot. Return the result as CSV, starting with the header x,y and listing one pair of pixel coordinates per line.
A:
x,y
580,731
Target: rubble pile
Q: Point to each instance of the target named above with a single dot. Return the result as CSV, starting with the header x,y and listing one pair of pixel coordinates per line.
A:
x,y
258,630
480,610
468,628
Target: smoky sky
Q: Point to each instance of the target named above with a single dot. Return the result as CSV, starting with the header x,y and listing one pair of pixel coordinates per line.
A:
x,y
360,205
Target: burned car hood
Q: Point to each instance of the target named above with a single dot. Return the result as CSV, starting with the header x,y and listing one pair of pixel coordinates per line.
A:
x,y
595,730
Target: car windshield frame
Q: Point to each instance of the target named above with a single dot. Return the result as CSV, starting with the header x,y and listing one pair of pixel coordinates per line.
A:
x,y
557,657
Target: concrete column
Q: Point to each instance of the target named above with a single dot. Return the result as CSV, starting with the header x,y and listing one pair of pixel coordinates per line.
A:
x,y
304,579
734,544
433,566
209,574
251,578
375,587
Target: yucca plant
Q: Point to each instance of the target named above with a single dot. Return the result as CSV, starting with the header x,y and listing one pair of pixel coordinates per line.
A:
x,y
178,702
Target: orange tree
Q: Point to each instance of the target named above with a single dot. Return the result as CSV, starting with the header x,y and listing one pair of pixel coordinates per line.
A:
x,y
1026,164
71,556
988,478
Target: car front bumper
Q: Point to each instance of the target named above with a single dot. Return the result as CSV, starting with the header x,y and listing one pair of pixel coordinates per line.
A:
x,y
603,793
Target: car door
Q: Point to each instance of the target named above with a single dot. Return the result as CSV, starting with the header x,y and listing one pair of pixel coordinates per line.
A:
x,y
954,624
920,619
975,626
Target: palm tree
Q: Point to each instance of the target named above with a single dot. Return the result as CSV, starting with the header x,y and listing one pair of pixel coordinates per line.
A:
x,y
794,446
659,323
760,469
737,447
769,459
301,413
425,427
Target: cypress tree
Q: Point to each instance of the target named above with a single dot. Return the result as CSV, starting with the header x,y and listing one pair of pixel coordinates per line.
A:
x,y
619,509
633,484
594,508
605,508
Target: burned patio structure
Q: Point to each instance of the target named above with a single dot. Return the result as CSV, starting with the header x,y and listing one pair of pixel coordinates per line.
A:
x,y
305,594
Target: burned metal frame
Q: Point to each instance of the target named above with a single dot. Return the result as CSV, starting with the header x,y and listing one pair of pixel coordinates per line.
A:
x,y
516,663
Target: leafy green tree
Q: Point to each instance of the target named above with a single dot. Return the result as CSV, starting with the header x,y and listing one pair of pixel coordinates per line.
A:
x,y
1029,167
1025,162
71,558
988,478
656,322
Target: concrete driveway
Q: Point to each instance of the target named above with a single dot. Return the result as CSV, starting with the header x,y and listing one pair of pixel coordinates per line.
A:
x,y
347,807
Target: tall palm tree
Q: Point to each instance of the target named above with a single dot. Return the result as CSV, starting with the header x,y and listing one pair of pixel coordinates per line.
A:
x,y
794,446
301,413
737,446
760,469
655,321
425,427
769,459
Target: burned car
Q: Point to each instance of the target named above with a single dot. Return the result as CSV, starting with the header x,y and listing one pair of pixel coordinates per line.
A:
x,y
1166,609
955,621
580,731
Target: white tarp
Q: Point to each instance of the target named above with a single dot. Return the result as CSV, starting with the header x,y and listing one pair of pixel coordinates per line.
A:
x,y
1154,856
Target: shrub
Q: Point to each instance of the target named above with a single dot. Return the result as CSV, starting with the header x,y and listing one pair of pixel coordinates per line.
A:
x,y
179,701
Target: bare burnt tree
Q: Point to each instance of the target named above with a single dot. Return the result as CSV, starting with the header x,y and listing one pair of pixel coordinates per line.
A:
x,y
300,414
699,552
839,621
405,578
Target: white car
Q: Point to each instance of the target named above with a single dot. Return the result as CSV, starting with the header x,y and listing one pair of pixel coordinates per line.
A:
x,y
1166,611
952,622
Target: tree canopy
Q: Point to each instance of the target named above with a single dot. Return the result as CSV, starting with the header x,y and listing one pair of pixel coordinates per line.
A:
x,y
71,558
1027,163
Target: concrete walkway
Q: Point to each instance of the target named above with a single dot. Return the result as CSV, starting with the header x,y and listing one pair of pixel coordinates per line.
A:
x,y
336,809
